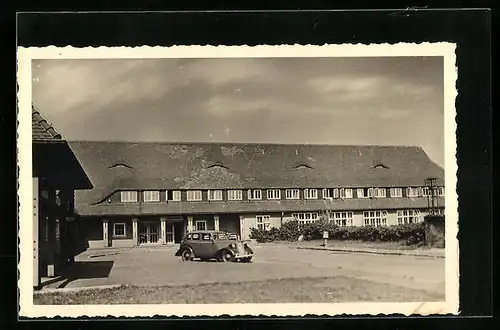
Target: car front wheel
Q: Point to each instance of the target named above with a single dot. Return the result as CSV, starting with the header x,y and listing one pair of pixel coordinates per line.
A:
x,y
187,255
226,256
247,259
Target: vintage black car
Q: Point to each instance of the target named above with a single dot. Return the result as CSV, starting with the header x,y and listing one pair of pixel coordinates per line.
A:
x,y
218,245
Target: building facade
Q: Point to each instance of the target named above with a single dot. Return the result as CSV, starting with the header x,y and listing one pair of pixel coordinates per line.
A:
x,y
154,193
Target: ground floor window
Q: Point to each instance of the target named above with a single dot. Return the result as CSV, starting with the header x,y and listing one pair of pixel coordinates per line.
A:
x,y
408,216
342,219
119,229
375,218
263,222
201,225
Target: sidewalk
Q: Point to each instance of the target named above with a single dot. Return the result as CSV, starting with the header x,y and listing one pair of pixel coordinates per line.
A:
x,y
431,253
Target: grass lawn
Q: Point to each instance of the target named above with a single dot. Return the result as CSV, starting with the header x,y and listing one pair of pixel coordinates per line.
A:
x,y
297,290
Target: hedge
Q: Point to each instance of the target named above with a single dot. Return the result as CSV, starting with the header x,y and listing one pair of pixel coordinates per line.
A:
x,y
291,230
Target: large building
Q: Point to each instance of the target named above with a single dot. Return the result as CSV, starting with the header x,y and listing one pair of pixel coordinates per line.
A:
x,y
153,193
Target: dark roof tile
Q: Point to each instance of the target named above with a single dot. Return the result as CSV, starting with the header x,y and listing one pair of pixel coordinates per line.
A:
x,y
158,165
41,129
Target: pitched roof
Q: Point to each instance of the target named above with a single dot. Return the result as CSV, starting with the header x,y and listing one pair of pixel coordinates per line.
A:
x,y
41,129
158,165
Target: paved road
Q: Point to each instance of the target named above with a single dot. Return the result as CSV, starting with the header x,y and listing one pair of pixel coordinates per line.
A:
x,y
161,267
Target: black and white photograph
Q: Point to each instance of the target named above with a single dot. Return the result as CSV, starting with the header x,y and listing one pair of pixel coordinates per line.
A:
x,y
268,180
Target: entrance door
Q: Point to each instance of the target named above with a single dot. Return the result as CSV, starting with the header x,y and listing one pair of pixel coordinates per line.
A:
x,y
170,233
149,233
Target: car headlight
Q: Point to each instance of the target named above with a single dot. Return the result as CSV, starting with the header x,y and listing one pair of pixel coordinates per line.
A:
x,y
232,245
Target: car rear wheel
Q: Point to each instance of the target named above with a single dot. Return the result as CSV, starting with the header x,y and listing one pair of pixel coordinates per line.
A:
x,y
187,255
226,256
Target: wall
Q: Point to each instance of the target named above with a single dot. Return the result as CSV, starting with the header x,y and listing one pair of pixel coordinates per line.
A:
x,y
250,221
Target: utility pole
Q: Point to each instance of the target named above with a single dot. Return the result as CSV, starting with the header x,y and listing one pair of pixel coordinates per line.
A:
x,y
432,202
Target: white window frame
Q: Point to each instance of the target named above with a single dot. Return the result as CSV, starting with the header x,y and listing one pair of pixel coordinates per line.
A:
x,y
192,195
252,194
200,221
124,229
217,195
408,216
327,193
413,192
310,193
305,217
360,193
396,192
379,192
128,196
263,222
342,219
441,191
292,194
150,196
375,218
176,195
234,195
345,192
273,194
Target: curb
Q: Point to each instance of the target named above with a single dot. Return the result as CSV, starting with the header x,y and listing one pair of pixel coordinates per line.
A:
x,y
84,288
372,252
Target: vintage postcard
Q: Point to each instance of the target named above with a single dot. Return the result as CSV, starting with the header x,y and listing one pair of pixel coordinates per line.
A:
x,y
270,180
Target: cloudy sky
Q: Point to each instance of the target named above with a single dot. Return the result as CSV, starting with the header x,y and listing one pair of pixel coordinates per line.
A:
x,y
283,100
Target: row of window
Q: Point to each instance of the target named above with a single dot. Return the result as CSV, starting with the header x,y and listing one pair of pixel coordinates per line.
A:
x,y
275,194
370,218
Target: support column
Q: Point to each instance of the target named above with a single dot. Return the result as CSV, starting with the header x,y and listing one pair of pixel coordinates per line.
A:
x,y
51,246
36,229
163,230
105,232
190,224
242,228
134,231
216,222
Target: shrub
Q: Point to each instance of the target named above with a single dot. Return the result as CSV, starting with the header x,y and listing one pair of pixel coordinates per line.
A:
x,y
411,234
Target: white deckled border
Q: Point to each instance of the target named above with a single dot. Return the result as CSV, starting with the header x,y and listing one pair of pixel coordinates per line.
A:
x,y
28,309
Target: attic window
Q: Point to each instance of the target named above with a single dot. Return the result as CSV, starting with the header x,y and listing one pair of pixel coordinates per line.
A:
x,y
299,166
380,165
120,165
218,165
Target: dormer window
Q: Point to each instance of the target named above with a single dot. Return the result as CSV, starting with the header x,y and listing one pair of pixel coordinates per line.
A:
x,y
218,165
380,165
128,196
120,165
302,166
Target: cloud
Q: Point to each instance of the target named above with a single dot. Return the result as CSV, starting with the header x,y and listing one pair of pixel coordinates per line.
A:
x,y
315,100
